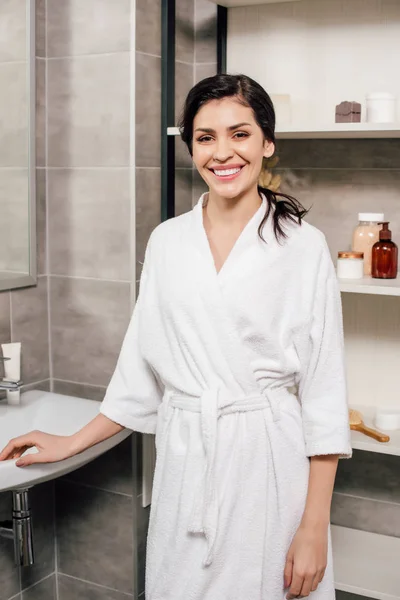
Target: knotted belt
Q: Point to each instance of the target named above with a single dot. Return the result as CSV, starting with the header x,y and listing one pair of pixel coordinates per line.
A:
x,y
212,407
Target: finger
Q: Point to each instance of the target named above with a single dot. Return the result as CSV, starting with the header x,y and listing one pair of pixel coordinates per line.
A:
x,y
316,582
19,442
322,575
287,574
30,459
296,585
307,585
7,452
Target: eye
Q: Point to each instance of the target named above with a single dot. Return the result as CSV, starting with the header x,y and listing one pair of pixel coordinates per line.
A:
x,y
204,138
241,134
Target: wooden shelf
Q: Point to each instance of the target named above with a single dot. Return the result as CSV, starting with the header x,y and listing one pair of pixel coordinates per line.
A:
x,y
360,441
368,285
332,131
366,563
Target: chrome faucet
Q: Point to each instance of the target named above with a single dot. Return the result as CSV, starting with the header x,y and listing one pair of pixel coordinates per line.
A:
x,y
9,385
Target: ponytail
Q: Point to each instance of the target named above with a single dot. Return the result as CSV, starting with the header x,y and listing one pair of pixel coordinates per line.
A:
x,y
286,208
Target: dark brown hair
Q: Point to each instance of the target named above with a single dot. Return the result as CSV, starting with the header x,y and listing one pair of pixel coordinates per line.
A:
x,y
249,93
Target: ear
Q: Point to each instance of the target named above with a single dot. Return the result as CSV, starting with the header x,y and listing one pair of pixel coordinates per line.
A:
x,y
269,149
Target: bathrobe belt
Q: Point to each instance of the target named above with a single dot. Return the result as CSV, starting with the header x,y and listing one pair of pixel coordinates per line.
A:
x,y
212,405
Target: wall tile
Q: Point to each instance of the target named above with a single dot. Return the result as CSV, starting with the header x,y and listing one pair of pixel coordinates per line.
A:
x,y
13,33
183,190
112,471
30,327
366,514
14,235
148,209
45,590
206,31
184,24
42,503
95,535
73,589
37,385
339,154
183,83
370,475
41,28
79,390
148,111
5,332
85,128
89,321
148,26
89,223
337,196
201,71
41,233
9,574
348,596
69,34
13,115
40,112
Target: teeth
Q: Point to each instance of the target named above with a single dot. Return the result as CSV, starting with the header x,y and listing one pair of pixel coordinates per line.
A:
x,y
226,172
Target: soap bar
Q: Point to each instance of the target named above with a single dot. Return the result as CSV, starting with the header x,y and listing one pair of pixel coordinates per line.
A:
x,y
348,112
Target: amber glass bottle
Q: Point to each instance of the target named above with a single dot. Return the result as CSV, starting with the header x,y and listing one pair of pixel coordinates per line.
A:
x,y
384,255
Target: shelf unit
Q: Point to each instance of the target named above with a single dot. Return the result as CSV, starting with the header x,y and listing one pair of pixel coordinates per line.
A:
x,y
332,131
368,285
360,441
366,563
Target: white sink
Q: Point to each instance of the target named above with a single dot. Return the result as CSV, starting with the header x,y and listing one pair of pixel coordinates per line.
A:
x,y
52,413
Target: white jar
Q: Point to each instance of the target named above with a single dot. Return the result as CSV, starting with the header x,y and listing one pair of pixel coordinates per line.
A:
x,y
381,108
350,265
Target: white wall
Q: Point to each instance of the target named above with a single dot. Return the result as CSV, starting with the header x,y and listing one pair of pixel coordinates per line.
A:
x,y
321,52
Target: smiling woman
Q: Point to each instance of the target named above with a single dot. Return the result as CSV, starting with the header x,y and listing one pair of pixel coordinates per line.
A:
x,y
228,125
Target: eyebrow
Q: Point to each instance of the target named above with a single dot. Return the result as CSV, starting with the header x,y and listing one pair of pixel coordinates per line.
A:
x,y
231,128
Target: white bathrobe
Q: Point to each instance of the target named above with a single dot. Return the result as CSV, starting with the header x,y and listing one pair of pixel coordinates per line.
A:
x,y
206,365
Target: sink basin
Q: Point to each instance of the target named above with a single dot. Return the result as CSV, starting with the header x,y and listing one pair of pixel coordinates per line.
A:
x,y
51,413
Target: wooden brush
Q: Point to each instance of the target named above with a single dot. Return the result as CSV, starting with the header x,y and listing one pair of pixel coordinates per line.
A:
x,y
357,424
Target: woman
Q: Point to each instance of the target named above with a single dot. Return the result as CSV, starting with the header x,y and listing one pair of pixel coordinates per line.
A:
x,y
238,304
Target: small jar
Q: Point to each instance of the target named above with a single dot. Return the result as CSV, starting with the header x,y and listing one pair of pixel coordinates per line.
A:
x,y
350,265
381,108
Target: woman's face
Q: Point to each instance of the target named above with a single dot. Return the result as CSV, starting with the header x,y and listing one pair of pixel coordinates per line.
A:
x,y
228,147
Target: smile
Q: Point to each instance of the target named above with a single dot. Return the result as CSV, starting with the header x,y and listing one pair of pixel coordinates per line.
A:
x,y
227,174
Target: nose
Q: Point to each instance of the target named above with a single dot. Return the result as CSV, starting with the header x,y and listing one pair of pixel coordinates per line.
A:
x,y
223,150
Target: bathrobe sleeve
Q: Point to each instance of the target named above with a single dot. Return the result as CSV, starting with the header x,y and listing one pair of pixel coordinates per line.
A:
x,y
322,385
134,393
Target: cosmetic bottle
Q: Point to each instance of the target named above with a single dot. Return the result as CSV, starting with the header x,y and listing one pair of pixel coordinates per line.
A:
x,y
384,255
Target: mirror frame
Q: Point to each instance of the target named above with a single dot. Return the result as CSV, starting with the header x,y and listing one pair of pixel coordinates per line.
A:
x,y
31,278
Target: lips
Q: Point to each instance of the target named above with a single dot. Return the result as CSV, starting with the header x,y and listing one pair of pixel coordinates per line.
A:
x,y
227,173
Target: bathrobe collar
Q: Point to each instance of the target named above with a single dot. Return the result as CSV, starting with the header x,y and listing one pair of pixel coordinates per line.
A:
x,y
247,240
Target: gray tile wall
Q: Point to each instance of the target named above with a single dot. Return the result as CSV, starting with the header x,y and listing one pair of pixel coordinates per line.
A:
x,y
91,284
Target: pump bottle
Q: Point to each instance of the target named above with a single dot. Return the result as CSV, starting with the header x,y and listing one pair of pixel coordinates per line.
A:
x,y
384,255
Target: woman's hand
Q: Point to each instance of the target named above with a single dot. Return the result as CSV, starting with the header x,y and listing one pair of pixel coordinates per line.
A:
x,y
51,448
306,561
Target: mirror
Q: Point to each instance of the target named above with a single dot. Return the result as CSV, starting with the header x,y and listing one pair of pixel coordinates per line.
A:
x,y
17,144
